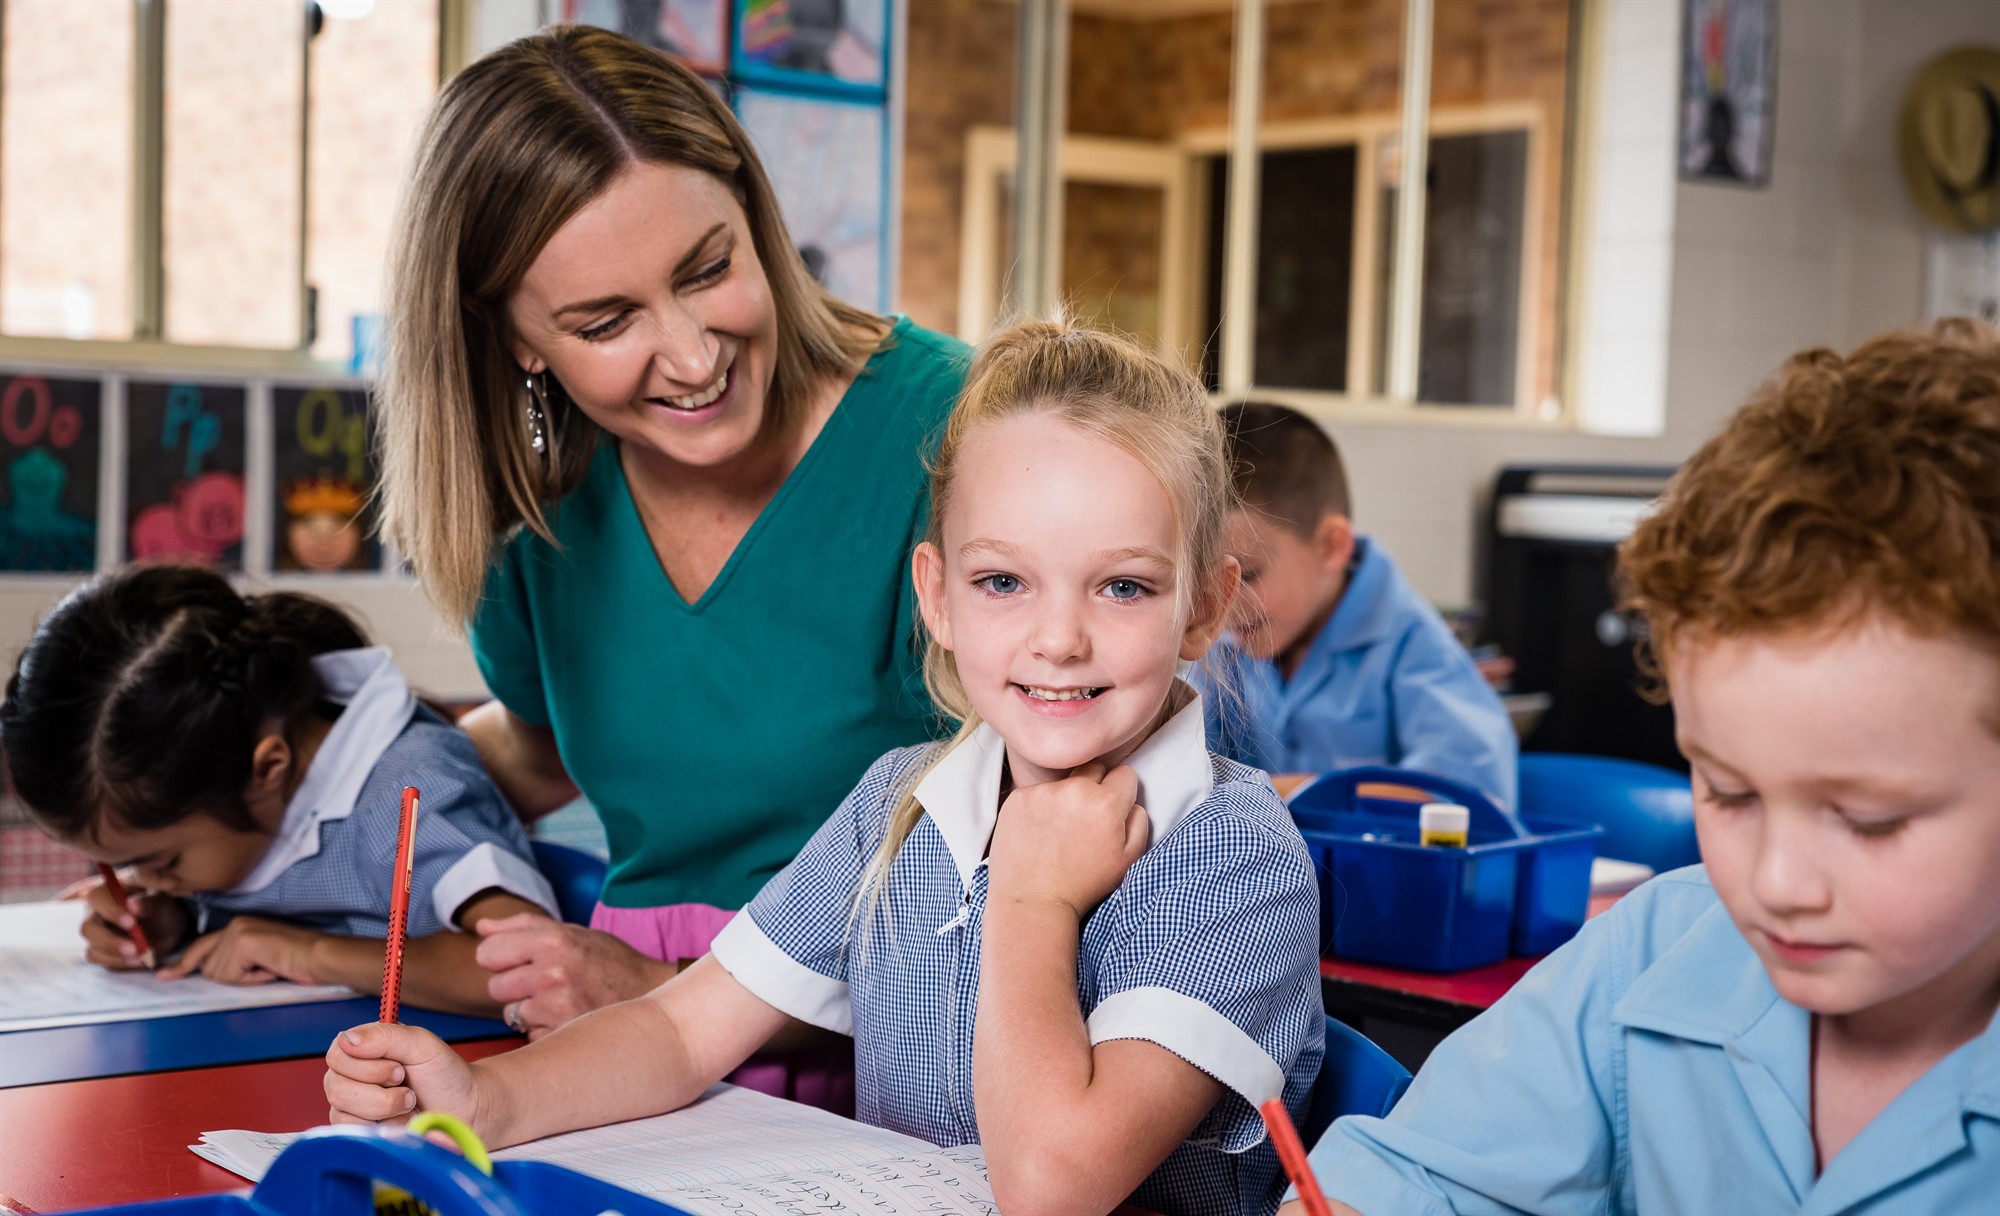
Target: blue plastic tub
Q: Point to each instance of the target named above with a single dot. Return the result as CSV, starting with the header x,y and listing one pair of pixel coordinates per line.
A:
x,y
1520,886
332,1171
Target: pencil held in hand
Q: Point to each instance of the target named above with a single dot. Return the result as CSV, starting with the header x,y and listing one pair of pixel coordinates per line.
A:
x,y
1292,1154
137,932
399,907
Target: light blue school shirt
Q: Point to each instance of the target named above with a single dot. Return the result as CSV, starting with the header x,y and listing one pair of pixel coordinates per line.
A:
x,y
1650,1066
1209,948
331,865
1384,682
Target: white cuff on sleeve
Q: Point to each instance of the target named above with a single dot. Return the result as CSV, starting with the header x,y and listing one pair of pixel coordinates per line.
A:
x,y
482,868
778,979
1193,1031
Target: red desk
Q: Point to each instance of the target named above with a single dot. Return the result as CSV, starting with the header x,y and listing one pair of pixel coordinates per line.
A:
x,y
1424,999
124,1139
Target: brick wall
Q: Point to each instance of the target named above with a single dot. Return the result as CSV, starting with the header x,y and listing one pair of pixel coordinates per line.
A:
x,y
961,75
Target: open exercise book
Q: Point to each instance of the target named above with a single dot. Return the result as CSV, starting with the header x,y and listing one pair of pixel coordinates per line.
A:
x,y
44,980
734,1152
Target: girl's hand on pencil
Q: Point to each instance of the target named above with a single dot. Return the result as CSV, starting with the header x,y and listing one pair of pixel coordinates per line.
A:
x,y
1070,841
385,1072
106,931
250,950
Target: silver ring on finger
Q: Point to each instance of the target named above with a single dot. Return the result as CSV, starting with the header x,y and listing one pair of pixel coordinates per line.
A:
x,y
512,1016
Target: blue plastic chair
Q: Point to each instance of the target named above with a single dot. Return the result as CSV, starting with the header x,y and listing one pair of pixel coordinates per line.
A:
x,y
577,876
1356,1078
1647,812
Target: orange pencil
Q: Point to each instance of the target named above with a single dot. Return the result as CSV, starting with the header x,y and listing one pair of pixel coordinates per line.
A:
x,y
137,933
399,907
1292,1154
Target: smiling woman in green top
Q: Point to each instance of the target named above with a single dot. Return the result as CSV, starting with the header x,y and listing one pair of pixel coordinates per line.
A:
x,y
669,482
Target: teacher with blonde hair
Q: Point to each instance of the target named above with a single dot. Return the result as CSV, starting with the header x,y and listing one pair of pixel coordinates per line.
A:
x,y
667,482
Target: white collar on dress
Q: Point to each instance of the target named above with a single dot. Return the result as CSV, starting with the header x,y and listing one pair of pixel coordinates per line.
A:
x,y
961,793
378,705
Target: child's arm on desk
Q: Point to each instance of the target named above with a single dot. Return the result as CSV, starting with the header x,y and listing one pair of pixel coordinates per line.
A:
x,y
625,1061
1067,1126
440,971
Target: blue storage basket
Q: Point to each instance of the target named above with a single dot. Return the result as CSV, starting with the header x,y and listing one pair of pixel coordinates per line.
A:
x,y
1522,885
332,1171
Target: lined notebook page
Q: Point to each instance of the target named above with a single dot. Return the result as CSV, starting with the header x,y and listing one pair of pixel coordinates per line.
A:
x,y
44,980
735,1152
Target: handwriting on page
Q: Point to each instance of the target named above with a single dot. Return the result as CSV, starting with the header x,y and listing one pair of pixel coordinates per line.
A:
x,y
44,980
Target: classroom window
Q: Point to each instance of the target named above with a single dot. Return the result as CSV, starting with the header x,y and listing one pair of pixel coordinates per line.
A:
x,y
232,154
66,169
1480,308
371,80
222,174
1305,267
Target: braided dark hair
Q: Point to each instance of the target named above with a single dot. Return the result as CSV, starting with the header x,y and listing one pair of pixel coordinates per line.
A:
x,y
142,694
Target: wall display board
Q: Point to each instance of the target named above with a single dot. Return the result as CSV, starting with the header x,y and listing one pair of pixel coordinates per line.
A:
x,y
1728,90
184,468
695,31
322,481
825,158
51,438
818,45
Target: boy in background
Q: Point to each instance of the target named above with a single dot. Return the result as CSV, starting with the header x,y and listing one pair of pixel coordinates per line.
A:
x,y
1337,660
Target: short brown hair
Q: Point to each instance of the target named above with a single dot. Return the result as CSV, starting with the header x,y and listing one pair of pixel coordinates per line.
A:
x,y
514,146
1844,487
1284,464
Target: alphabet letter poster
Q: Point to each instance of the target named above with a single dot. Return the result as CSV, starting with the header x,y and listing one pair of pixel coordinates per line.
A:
x,y
51,434
184,473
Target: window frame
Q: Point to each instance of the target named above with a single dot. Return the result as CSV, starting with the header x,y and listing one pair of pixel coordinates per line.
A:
x,y
1367,133
1577,236
991,154
147,349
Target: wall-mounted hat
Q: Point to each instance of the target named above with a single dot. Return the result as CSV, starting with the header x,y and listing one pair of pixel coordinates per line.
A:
x,y
1950,139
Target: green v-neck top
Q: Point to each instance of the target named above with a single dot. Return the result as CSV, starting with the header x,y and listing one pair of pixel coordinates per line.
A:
x,y
715,737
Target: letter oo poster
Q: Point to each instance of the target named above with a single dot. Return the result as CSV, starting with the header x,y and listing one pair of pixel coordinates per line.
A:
x,y
51,432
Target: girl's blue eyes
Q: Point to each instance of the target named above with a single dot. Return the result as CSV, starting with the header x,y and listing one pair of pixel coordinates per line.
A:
x,y
1123,590
605,329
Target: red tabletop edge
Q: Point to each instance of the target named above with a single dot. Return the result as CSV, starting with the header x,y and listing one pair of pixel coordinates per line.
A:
x,y
1478,988
78,1144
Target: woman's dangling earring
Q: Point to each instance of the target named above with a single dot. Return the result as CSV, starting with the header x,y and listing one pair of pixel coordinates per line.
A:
x,y
538,415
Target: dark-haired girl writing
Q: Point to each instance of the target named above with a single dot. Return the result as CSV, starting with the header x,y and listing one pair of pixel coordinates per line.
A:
x,y
243,757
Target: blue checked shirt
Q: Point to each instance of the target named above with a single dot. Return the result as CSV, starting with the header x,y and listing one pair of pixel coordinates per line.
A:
x,y
1208,948
331,865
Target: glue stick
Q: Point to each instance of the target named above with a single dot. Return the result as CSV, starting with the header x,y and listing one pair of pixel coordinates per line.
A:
x,y
1443,825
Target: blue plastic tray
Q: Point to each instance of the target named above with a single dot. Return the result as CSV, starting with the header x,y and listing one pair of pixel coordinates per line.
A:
x,y
332,1171
1520,885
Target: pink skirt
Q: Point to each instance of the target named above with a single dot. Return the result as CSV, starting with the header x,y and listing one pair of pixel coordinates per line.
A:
x,y
821,1076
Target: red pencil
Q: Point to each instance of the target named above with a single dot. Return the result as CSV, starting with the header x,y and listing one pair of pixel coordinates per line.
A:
x,y
1292,1154
136,933
399,907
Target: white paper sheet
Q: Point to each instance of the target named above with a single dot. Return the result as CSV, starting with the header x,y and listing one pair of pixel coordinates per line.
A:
x,y
44,980
735,1152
